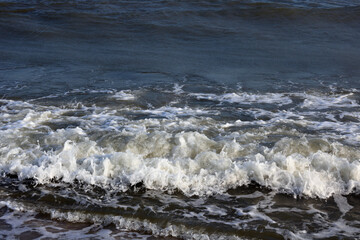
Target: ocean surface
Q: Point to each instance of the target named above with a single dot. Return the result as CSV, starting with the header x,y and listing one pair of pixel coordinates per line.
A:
x,y
173,119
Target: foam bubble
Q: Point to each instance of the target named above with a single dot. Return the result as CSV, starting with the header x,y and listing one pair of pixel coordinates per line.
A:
x,y
124,96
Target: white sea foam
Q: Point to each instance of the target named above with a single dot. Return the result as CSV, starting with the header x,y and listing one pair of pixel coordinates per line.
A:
x,y
187,149
195,155
246,98
342,204
188,162
23,222
178,89
87,91
253,212
313,101
124,96
172,112
316,101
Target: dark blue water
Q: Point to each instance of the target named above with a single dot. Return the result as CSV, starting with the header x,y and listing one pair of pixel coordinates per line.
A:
x,y
191,119
54,46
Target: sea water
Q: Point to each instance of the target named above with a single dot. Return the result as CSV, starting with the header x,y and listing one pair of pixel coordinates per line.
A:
x,y
183,119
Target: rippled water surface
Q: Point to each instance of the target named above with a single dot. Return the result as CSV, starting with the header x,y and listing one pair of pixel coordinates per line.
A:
x,y
179,119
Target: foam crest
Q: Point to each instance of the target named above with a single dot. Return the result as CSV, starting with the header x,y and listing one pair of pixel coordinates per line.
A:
x,y
328,101
246,98
192,163
124,95
314,100
173,112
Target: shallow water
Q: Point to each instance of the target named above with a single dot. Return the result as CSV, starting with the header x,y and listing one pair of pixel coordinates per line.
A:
x,y
206,119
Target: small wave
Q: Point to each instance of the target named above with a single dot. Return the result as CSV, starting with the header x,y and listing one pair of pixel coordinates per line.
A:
x,y
246,98
328,101
309,100
124,96
91,225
